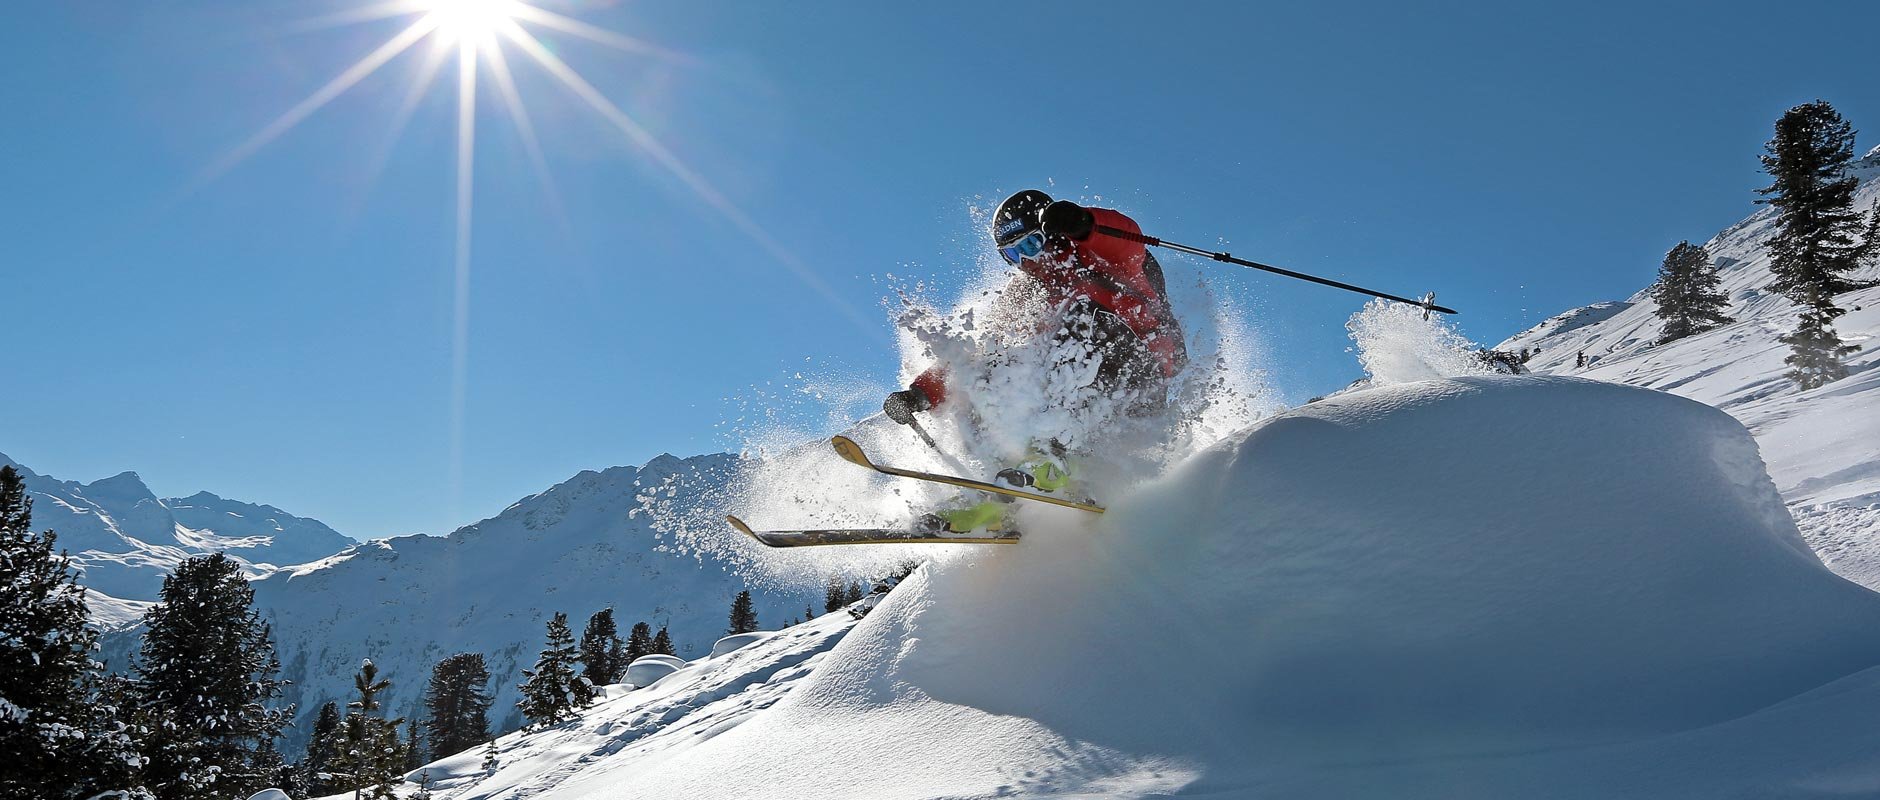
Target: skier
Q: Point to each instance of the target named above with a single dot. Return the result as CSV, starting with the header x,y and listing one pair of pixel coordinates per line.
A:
x,y
1100,294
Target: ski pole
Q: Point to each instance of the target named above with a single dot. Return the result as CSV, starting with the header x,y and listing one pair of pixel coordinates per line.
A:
x,y
944,455
1428,303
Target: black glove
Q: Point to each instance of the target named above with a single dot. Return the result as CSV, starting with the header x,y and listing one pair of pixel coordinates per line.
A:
x,y
1067,219
902,405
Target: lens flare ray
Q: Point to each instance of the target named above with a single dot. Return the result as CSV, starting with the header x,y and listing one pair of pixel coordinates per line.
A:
x,y
525,129
575,27
478,30
460,295
325,94
554,66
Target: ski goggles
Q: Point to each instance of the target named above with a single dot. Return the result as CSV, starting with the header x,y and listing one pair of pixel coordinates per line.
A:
x,y
1027,246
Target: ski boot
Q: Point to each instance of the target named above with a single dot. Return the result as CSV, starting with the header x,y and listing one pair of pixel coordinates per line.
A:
x,y
987,515
1040,473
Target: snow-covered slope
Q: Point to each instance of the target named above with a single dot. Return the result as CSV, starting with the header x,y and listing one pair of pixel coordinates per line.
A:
x,y
710,696
126,539
1823,446
490,587
1389,593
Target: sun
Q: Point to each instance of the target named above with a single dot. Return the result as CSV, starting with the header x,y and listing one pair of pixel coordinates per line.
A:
x,y
474,21
483,35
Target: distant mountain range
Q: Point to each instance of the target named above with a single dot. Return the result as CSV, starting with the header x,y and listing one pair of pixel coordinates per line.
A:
x,y
126,539
409,601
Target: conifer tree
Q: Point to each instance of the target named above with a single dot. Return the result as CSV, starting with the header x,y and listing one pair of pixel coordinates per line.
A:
x,y
269,767
553,691
835,595
1815,350
206,672
617,662
371,760
639,643
59,734
808,613
1813,250
424,787
600,647
1870,239
458,704
322,750
743,614
1688,299
662,643
854,593
489,758
383,763
413,750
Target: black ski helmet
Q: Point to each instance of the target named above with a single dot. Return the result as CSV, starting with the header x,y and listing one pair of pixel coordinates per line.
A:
x,y
1018,215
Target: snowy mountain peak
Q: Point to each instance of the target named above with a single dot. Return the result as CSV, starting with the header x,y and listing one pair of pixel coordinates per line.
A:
x,y
124,485
258,533
125,540
1866,167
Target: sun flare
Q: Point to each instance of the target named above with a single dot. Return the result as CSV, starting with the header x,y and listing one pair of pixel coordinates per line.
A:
x,y
483,34
475,21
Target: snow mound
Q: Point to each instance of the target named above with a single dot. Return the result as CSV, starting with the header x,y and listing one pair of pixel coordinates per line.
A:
x,y
646,670
1478,586
736,641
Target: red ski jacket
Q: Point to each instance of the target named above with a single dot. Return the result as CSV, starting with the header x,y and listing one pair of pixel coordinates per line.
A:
x,y
1117,274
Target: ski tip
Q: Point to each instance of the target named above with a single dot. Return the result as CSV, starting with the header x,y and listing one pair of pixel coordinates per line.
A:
x,y
742,528
850,451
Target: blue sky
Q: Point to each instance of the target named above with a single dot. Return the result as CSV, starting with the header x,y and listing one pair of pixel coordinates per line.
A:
x,y
283,333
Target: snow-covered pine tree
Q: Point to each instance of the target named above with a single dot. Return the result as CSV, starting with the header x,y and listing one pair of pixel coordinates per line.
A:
x,y
206,672
743,616
1815,350
662,643
322,750
384,763
1813,250
414,749
600,645
1870,239
639,643
1688,299
457,702
268,764
424,787
809,613
553,691
854,593
617,662
835,596
489,758
58,740
370,757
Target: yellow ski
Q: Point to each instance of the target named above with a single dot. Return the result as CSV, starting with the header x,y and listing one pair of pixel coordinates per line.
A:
x,y
818,538
852,453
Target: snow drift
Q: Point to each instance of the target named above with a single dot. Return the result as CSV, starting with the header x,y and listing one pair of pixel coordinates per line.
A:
x,y
1481,586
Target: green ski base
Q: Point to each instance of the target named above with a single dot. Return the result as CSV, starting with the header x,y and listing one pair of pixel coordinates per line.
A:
x,y
819,538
